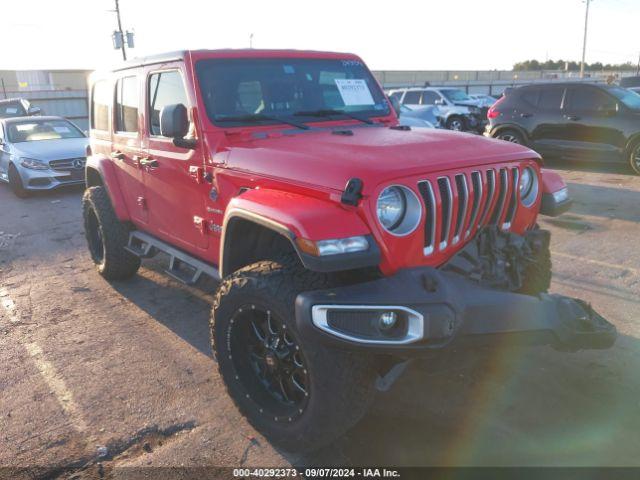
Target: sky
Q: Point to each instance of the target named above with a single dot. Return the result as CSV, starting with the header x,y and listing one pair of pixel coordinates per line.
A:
x,y
401,35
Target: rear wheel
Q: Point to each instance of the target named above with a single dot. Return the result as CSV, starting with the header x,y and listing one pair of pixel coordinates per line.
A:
x,y
510,135
455,123
107,236
634,158
15,182
299,395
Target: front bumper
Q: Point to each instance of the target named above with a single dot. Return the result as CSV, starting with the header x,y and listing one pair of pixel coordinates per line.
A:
x,y
437,309
50,179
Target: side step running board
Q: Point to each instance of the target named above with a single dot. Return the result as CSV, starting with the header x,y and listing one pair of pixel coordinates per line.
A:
x,y
182,266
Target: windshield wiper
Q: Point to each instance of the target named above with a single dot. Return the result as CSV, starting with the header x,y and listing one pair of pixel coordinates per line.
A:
x,y
331,113
259,117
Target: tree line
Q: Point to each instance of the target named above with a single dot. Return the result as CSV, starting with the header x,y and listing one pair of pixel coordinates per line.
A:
x,y
570,65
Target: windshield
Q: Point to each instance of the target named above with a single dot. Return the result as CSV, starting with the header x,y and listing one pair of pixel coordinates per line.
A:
x,y
454,95
35,130
629,98
12,109
266,91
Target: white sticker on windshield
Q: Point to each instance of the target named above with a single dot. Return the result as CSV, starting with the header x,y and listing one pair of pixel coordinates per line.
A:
x,y
62,129
11,110
354,92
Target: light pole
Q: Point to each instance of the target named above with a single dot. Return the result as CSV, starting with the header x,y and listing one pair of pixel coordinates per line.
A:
x,y
584,42
251,40
124,52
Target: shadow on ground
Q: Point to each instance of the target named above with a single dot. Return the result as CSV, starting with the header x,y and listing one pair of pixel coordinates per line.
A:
x,y
498,406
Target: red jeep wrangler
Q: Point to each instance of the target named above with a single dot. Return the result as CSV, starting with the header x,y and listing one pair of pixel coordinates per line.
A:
x,y
345,244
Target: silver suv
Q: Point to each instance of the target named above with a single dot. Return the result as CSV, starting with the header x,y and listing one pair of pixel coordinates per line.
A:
x,y
459,111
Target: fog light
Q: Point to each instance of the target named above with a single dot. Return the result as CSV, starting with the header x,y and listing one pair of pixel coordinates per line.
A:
x,y
388,320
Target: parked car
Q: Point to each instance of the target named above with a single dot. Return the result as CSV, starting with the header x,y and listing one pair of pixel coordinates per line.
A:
x,y
344,244
429,114
483,99
459,112
627,82
41,153
571,120
634,89
17,107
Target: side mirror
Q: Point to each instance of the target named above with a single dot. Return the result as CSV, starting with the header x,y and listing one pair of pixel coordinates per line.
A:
x,y
395,103
439,102
174,123
34,111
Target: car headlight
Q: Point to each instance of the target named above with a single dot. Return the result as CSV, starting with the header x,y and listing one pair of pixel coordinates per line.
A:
x,y
398,210
323,248
528,186
33,164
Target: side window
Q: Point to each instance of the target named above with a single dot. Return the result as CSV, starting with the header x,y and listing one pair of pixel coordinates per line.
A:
x,y
585,99
165,88
530,96
429,97
412,98
126,105
551,98
100,102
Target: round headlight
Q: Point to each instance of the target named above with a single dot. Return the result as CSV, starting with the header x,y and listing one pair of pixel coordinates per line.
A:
x,y
399,210
528,186
392,205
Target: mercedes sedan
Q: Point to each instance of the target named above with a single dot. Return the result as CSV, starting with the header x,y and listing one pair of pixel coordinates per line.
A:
x,y
41,153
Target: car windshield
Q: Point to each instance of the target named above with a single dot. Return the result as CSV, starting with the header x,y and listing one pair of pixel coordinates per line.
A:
x,y
35,130
11,109
455,95
253,91
629,98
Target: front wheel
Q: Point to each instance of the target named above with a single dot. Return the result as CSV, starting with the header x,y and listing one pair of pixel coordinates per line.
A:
x,y
634,158
455,123
301,396
15,182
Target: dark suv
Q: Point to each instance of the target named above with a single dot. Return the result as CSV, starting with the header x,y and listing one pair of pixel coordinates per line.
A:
x,y
571,120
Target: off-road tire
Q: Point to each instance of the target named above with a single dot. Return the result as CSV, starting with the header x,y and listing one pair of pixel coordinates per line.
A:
x,y
15,182
341,383
511,135
113,262
451,122
634,157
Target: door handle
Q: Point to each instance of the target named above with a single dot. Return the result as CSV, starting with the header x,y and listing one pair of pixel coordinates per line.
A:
x,y
117,155
148,162
573,118
526,115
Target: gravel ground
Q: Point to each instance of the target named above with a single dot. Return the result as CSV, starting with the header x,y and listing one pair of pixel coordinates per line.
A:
x,y
96,375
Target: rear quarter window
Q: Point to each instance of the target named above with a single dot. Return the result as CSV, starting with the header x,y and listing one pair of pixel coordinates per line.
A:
x,y
100,103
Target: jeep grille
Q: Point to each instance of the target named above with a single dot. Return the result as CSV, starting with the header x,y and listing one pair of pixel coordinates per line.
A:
x,y
458,205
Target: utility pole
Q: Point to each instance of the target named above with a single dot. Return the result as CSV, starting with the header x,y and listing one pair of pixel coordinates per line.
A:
x,y
584,42
124,52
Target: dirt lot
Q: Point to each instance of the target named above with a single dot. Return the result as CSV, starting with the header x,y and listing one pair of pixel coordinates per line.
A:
x,y
122,374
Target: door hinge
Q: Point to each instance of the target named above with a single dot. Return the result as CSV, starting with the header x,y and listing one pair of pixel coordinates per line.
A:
x,y
201,224
197,173
142,202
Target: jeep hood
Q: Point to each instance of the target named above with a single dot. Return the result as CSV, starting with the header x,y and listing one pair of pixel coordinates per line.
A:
x,y
376,154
